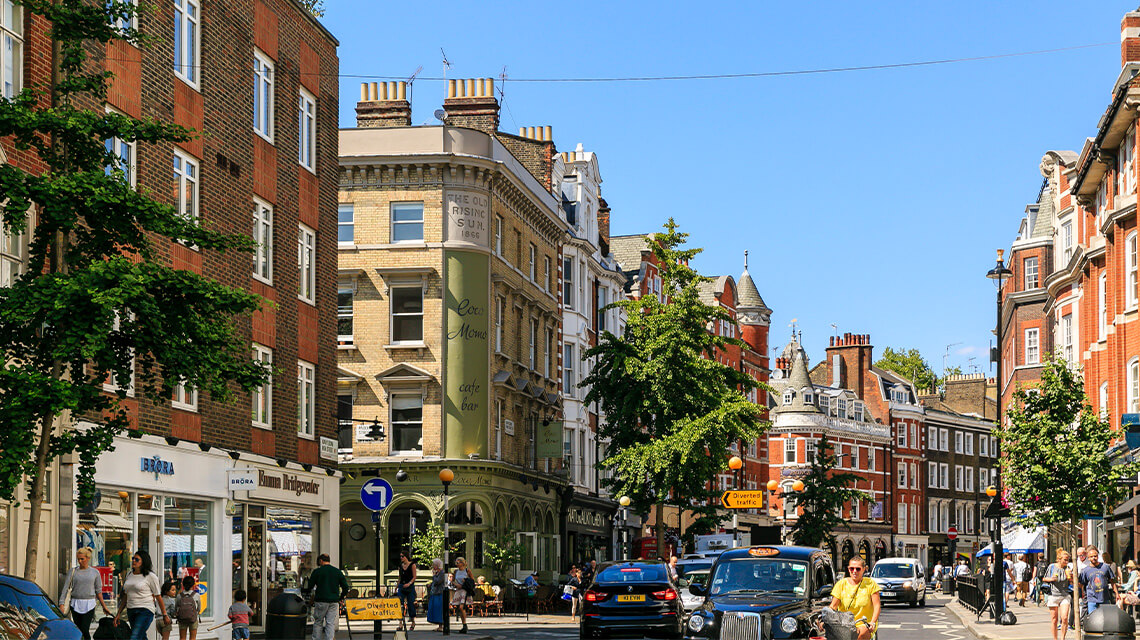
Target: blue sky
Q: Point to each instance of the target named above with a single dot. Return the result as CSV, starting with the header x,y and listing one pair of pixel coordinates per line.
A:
x,y
871,200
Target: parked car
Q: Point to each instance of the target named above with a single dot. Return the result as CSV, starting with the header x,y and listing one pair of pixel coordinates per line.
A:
x,y
762,592
694,562
689,601
635,597
900,580
27,613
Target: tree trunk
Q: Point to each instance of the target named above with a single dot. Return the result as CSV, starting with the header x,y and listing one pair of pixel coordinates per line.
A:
x,y
661,529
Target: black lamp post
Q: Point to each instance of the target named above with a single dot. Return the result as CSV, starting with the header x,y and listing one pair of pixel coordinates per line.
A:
x,y
446,476
999,274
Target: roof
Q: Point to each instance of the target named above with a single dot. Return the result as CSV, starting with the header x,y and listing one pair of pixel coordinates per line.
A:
x,y
798,380
747,295
627,250
710,290
785,552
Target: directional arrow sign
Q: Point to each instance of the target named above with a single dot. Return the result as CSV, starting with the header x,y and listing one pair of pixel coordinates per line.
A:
x,y
742,499
376,494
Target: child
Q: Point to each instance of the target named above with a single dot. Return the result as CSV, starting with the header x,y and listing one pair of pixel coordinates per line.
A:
x,y
239,616
169,590
187,605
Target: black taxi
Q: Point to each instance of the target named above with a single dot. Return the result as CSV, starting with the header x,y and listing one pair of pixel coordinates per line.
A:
x,y
762,593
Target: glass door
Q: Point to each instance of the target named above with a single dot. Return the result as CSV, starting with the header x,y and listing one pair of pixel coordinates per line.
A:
x,y
150,540
255,571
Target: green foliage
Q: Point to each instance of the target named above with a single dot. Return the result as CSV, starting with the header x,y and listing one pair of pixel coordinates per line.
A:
x,y
672,410
909,364
429,544
315,7
1054,452
99,300
825,492
502,552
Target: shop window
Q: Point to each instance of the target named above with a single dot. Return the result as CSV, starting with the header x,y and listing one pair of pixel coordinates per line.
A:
x,y
468,513
407,423
187,525
292,547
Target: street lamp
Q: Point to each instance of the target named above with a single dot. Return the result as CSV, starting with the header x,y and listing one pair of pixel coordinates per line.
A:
x,y
624,502
999,274
773,486
446,476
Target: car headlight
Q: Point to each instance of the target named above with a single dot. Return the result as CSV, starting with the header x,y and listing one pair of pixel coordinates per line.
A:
x,y
907,584
789,625
696,623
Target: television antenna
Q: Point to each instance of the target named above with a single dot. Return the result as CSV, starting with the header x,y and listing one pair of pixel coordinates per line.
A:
x,y
945,355
412,81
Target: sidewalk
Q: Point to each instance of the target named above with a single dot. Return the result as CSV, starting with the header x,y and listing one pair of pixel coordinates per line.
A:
x,y
482,628
1032,623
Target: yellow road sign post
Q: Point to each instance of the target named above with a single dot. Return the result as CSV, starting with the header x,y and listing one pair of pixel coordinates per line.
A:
x,y
742,499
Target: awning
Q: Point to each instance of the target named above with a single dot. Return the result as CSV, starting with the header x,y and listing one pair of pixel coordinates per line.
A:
x,y
1127,506
1020,541
1118,523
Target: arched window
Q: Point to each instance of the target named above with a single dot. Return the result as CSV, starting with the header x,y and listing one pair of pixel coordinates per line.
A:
x,y
467,513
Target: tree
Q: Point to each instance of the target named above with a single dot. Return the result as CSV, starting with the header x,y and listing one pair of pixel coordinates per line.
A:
x,y
822,500
1055,464
672,410
315,7
97,303
502,552
910,364
429,544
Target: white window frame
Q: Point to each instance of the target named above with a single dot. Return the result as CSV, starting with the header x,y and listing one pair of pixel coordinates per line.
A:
x,y
533,351
186,178
1131,282
943,475
1102,306
932,475
1103,398
263,396
902,517
392,314
13,252
968,475
306,264
790,454
983,479
306,400
263,241
547,355
342,224
546,273
984,446
264,79
1032,346
1067,240
111,384
499,306
943,440
185,397
901,469
900,430
932,517
187,51
1032,272
498,235
393,423
122,23
533,265
568,382
401,224
1067,337
344,312
959,446
307,130
124,151
968,440
1133,387
568,283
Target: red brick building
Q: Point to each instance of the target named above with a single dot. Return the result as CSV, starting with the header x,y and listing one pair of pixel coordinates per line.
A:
x,y
258,80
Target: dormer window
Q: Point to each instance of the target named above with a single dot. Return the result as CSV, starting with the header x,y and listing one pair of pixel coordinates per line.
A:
x,y
899,395
807,395
858,411
842,408
789,395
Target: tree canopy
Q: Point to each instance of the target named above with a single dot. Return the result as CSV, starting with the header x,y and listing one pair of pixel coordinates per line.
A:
x,y
909,364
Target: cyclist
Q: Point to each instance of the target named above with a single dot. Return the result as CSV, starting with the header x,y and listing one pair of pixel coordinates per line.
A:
x,y
859,595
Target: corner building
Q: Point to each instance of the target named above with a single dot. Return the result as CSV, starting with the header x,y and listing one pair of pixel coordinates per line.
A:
x,y
450,321
258,80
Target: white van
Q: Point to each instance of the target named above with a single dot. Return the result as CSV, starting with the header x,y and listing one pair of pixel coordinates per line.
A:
x,y
900,580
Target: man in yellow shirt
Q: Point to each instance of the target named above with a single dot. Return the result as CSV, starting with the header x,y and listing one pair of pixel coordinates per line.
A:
x,y
859,595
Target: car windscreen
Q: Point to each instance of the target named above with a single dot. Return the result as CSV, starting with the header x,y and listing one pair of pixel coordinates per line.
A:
x,y
636,573
698,577
26,608
684,568
758,575
892,570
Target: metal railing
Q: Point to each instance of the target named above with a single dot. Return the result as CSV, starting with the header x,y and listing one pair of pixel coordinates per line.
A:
x,y
971,593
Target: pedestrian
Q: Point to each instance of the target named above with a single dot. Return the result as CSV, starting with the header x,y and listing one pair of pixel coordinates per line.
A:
x,y
589,571
672,566
435,607
1082,560
464,588
962,569
239,616
140,596
1058,584
1096,581
1007,577
169,600
937,576
406,588
531,583
82,590
1021,575
186,607
1039,575
1129,587
329,590
858,595
575,586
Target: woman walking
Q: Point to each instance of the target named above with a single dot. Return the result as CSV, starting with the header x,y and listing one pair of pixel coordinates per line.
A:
x,y
82,590
858,595
406,589
141,596
575,584
1058,584
461,580
435,607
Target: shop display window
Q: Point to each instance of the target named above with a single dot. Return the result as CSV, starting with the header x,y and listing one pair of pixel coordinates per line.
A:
x,y
187,525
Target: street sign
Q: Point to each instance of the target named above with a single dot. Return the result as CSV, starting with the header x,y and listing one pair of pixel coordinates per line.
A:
x,y
952,533
373,609
376,494
742,499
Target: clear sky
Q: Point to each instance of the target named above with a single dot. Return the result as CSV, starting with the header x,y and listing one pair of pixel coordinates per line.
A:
x,y
872,200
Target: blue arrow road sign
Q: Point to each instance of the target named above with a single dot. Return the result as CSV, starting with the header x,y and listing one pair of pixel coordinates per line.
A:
x,y
376,494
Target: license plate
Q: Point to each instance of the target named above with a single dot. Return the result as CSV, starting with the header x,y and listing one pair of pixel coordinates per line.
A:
x,y
888,594
637,598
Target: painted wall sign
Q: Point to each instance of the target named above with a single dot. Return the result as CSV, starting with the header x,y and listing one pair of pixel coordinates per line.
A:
x,y
157,466
288,482
467,369
468,218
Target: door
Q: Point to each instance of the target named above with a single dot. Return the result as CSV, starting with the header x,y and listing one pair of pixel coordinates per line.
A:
x,y
150,540
529,559
255,572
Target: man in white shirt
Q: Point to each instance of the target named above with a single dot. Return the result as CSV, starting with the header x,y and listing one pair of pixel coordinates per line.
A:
x,y
1021,579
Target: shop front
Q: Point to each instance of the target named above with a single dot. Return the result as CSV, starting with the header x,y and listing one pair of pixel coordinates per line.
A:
x,y
174,502
589,529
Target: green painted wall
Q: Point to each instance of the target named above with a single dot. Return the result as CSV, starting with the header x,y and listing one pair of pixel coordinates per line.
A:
x,y
468,366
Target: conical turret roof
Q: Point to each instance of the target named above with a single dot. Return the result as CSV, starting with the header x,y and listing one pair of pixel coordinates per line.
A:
x,y
798,380
748,296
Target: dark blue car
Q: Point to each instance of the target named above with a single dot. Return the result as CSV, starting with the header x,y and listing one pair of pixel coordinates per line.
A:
x,y
762,592
27,613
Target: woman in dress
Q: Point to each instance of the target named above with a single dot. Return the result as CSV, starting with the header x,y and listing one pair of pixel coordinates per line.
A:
x,y
406,589
1058,584
141,596
86,587
461,598
436,593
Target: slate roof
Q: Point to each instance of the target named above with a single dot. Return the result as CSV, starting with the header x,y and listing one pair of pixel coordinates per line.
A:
x,y
627,251
747,295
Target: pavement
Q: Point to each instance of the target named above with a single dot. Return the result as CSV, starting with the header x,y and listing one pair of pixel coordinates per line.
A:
x,y
478,628
1032,623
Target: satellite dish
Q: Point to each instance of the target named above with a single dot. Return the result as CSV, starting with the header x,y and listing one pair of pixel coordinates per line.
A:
x,y
441,115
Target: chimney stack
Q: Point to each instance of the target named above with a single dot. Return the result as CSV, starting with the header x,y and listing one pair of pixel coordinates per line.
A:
x,y
603,224
383,104
471,103
1130,38
849,361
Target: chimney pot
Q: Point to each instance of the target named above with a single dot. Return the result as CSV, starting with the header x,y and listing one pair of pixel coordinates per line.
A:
x,y
490,87
470,88
372,91
547,133
403,87
363,91
522,132
451,88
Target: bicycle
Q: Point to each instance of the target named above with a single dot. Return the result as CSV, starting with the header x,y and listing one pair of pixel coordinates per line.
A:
x,y
835,630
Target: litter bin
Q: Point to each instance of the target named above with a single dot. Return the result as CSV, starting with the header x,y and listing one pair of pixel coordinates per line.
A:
x,y
285,617
948,586
1109,622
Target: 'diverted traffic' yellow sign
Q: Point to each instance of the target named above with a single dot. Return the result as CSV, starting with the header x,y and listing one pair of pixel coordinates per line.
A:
x,y
373,609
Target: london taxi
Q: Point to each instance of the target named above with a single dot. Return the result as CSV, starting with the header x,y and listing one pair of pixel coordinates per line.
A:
x,y
762,592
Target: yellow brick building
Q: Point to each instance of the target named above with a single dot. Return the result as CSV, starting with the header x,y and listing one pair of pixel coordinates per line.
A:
x,y
450,326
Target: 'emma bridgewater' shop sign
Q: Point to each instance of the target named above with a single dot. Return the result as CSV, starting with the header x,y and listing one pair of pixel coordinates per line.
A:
x,y
295,485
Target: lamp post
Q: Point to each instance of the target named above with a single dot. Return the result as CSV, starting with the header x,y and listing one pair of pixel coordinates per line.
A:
x,y
624,502
736,465
446,476
999,274
797,487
